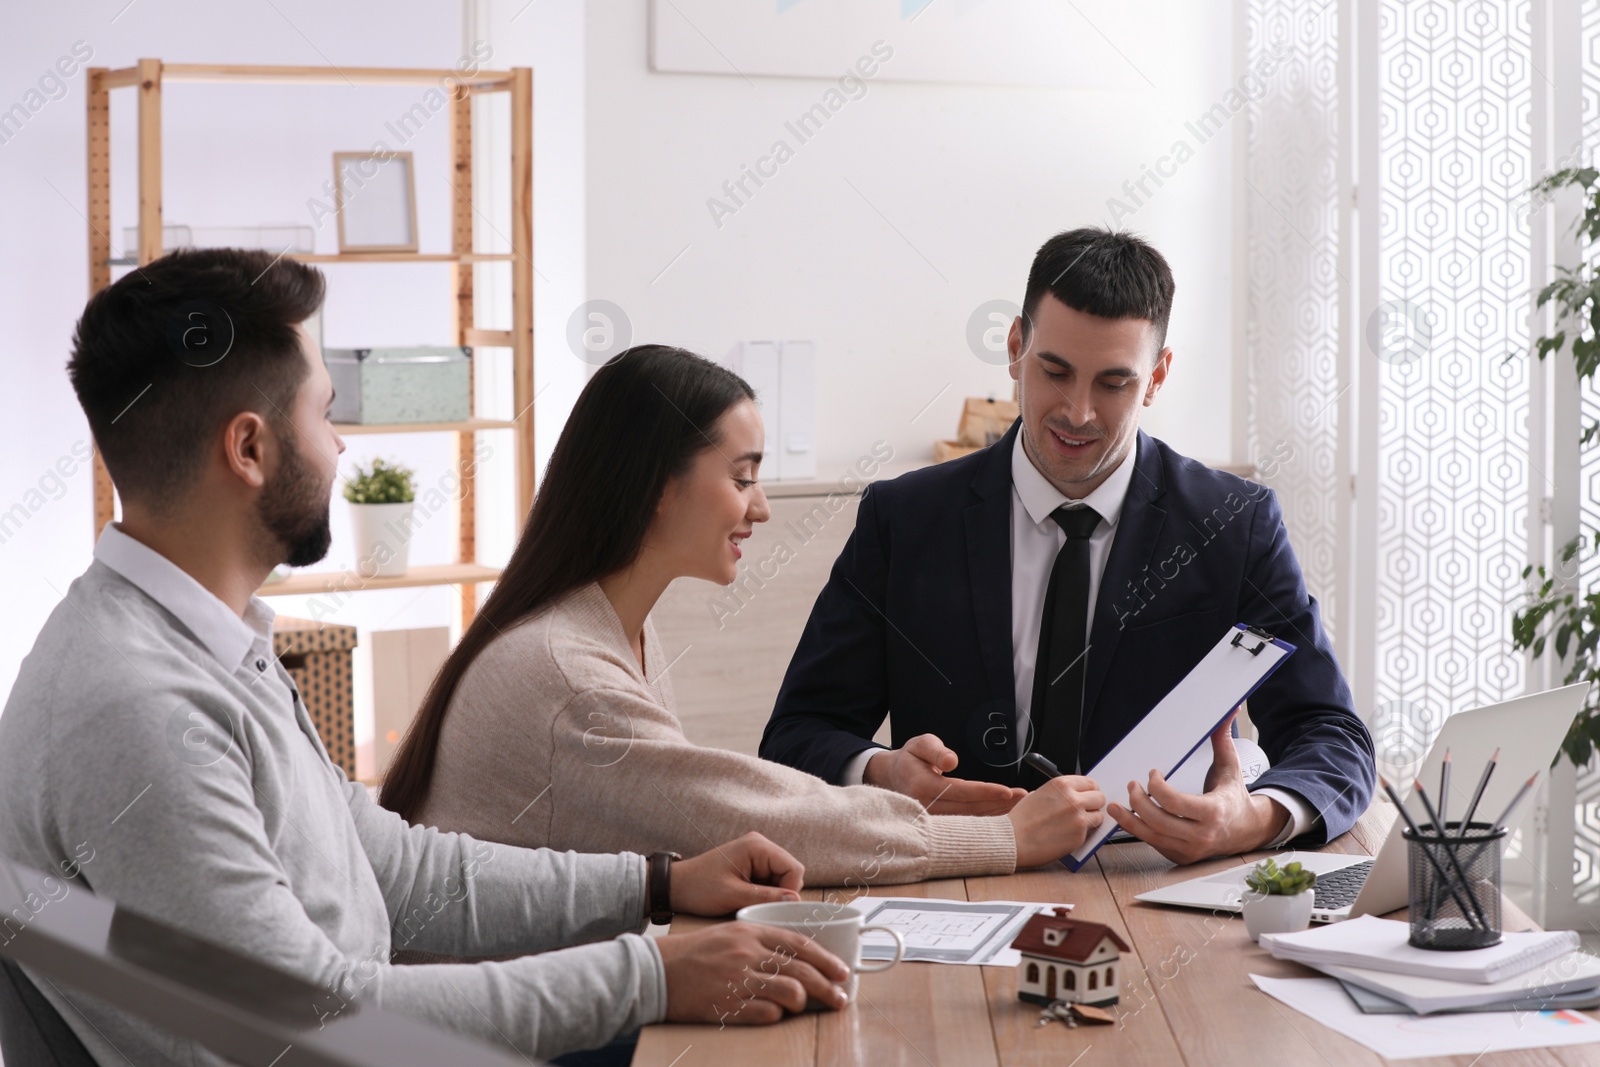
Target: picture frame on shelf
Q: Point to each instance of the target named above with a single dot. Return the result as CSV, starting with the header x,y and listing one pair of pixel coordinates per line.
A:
x,y
376,199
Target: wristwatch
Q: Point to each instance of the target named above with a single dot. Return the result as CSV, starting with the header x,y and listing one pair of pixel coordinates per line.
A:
x,y
658,886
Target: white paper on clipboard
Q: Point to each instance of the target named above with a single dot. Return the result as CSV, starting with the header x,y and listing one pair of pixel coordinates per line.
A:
x,y
1185,718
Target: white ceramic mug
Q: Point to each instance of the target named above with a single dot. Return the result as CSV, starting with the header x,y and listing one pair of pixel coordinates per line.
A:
x,y
836,927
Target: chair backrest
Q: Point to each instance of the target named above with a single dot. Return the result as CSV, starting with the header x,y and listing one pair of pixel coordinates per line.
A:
x,y
239,1007
31,1030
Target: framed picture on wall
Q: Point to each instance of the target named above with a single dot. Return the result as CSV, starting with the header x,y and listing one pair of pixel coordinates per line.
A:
x,y
376,198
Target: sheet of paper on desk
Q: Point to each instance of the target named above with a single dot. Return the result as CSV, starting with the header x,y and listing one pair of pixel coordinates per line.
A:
x,y
1401,1037
947,931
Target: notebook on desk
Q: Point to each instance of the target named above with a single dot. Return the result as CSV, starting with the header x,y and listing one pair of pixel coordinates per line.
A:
x,y
1572,975
1528,732
1543,998
1385,945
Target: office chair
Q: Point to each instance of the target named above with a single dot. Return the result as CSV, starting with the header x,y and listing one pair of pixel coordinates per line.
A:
x,y
31,1030
240,1008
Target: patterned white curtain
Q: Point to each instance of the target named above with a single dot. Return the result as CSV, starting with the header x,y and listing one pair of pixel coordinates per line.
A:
x,y
1292,278
1450,127
1448,348
1389,333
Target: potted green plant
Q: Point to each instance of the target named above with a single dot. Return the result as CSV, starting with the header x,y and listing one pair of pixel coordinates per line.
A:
x,y
1279,900
1559,614
381,498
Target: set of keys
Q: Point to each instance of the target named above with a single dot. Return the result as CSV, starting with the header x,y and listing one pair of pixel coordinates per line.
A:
x,y
1073,1014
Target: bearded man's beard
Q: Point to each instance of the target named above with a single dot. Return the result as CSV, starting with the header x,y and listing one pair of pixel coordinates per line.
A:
x,y
293,509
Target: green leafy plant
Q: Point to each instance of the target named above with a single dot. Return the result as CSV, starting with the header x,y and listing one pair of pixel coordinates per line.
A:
x,y
1268,880
381,483
1557,615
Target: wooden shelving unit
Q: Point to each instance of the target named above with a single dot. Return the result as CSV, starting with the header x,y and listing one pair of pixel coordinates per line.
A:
x,y
469,426
311,583
148,78
373,257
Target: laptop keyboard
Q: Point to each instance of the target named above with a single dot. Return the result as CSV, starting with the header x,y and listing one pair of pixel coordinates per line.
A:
x,y
1338,889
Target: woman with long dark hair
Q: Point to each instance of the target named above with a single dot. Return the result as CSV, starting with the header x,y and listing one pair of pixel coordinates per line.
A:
x,y
553,724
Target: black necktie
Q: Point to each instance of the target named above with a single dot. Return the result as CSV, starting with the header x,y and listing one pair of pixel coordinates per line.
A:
x,y
1059,670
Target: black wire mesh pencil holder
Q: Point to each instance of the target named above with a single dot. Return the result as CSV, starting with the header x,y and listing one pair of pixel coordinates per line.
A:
x,y
1455,886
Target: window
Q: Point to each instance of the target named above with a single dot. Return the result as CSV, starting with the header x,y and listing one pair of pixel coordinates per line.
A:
x,y
1094,979
1033,974
1109,980
1072,978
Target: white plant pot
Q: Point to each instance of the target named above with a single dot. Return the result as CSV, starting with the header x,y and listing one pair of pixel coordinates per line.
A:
x,y
1273,914
382,538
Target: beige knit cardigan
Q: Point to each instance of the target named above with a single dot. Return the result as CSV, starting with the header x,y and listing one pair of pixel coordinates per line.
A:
x,y
555,738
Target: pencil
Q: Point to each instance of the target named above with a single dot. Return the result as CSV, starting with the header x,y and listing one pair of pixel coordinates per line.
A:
x,y
1450,854
1500,823
1444,793
1477,794
1411,824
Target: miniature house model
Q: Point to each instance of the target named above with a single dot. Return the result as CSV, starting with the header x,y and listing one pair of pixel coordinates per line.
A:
x,y
1067,959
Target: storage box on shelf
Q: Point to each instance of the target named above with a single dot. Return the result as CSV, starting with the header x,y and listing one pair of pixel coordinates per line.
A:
x,y
317,657
423,384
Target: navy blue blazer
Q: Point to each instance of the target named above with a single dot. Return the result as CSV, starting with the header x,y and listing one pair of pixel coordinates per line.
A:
x,y
915,622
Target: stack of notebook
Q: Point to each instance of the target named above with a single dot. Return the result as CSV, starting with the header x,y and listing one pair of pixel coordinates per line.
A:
x,y
1376,962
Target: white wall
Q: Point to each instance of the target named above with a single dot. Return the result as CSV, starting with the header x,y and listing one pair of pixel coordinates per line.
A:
x,y
915,204
968,181
242,155
549,38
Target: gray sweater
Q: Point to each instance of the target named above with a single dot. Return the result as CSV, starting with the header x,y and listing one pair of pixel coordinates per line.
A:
x,y
135,763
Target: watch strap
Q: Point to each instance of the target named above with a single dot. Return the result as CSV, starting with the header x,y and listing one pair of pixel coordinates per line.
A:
x,y
658,886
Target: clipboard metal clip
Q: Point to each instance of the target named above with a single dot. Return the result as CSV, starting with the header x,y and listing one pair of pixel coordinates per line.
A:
x,y
1264,639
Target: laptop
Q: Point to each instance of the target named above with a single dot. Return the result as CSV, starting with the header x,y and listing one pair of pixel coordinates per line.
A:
x,y
1528,732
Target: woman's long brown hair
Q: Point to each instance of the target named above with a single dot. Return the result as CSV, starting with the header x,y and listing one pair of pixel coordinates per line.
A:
x,y
639,422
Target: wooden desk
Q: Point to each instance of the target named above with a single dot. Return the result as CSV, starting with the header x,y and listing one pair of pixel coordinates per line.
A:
x,y
1185,995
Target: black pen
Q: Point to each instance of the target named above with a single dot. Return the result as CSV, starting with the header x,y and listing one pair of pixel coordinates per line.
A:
x,y
1042,765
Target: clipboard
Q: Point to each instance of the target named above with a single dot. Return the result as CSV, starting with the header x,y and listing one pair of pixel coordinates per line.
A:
x,y
1186,717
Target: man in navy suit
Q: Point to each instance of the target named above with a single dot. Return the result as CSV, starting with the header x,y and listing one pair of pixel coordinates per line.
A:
x,y
1045,593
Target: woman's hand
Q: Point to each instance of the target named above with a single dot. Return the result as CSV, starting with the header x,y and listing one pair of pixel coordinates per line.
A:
x,y
747,870
1056,819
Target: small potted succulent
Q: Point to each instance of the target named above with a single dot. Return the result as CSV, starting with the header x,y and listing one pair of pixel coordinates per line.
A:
x,y
381,498
1279,900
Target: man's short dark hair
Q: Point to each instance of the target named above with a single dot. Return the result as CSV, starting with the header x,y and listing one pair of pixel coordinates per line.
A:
x,y
1105,273
166,355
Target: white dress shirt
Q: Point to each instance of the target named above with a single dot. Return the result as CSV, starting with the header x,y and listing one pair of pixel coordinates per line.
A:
x,y
1035,542
231,639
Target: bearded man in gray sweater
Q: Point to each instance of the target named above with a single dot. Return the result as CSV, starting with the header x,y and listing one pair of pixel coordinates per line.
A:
x,y
154,751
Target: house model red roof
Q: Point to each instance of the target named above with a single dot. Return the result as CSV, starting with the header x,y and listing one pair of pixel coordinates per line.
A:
x,y
1078,938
